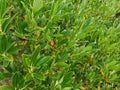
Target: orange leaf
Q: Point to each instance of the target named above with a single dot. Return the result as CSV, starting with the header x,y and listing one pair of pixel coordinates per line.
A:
x,y
36,46
30,88
36,33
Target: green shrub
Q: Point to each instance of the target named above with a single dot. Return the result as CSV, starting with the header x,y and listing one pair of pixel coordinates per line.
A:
x,y
60,44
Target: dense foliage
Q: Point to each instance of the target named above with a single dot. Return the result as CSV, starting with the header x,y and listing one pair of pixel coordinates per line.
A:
x,y
60,44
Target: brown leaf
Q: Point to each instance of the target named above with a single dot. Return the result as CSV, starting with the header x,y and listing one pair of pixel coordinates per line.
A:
x,y
6,81
52,43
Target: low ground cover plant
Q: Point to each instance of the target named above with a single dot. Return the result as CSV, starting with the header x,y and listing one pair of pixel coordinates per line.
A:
x,y
59,45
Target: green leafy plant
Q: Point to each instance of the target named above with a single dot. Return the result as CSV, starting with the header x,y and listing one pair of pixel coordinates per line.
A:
x,y
59,44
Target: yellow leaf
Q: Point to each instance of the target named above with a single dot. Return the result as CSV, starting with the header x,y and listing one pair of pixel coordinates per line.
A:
x,y
102,73
11,28
12,59
82,88
99,88
117,88
25,16
24,42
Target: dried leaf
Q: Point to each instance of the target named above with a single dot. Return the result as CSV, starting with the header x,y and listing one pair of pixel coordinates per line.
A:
x,y
52,42
82,88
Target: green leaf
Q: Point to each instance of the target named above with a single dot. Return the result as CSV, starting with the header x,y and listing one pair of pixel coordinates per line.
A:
x,y
17,80
2,7
61,64
9,58
4,76
26,60
10,46
37,5
6,87
14,79
35,55
28,77
67,88
5,63
68,77
3,43
43,60
39,76
13,50
7,22
56,18
58,35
